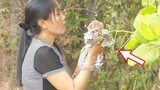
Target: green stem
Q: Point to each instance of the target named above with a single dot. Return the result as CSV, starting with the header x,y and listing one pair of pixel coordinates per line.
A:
x,y
121,31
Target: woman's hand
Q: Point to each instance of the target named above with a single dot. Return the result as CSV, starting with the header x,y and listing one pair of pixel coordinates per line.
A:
x,y
94,50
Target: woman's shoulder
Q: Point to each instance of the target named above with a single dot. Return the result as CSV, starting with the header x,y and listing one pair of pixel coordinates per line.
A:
x,y
42,49
45,50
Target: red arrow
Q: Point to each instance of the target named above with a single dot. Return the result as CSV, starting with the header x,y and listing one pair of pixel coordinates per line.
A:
x,y
127,54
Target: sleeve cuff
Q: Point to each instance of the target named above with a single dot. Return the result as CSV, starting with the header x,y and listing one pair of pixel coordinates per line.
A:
x,y
53,72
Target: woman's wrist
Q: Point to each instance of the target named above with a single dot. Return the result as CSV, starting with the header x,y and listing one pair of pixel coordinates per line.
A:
x,y
90,60
86,68
88,64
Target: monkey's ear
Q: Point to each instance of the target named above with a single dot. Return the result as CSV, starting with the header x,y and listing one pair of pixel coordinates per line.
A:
x,y
88,28
101,24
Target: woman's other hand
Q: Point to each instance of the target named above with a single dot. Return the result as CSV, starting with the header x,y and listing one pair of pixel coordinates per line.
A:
x,y
95,50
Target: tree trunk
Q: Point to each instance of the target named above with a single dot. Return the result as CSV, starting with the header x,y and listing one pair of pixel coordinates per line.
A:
x,y
91,10
91,16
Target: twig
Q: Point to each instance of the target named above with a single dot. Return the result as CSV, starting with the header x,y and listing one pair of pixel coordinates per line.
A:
x,y
134,87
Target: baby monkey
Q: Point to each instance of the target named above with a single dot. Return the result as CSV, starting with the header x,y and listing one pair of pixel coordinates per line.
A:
x,y
96,35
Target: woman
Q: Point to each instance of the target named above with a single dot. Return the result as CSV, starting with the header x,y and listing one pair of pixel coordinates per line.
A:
x,y
40,65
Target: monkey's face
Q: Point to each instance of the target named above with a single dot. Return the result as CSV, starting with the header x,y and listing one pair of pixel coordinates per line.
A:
x,y
95,27
95,32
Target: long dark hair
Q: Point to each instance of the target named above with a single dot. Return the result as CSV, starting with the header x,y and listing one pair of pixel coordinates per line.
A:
x,y
34,10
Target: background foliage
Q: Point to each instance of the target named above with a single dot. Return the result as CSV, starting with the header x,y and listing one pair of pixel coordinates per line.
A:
x,y
118,17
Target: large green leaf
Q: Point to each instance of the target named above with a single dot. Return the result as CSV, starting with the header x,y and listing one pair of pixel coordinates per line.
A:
x,y
143,15
153,22
140,38
146,32
135,39
139,18
149,52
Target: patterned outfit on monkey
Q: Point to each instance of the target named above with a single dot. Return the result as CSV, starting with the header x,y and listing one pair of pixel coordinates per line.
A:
x,y
104,38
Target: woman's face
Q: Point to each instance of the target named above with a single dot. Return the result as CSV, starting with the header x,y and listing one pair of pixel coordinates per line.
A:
x,y
56,23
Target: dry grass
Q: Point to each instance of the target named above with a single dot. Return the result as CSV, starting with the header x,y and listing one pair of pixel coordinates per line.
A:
x,y
10,15
7,67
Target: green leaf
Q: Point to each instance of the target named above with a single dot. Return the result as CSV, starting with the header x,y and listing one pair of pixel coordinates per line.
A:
x,y
139,37
146,32
153,22
143,15
139,18
147,10
131,63
132,43
149,52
